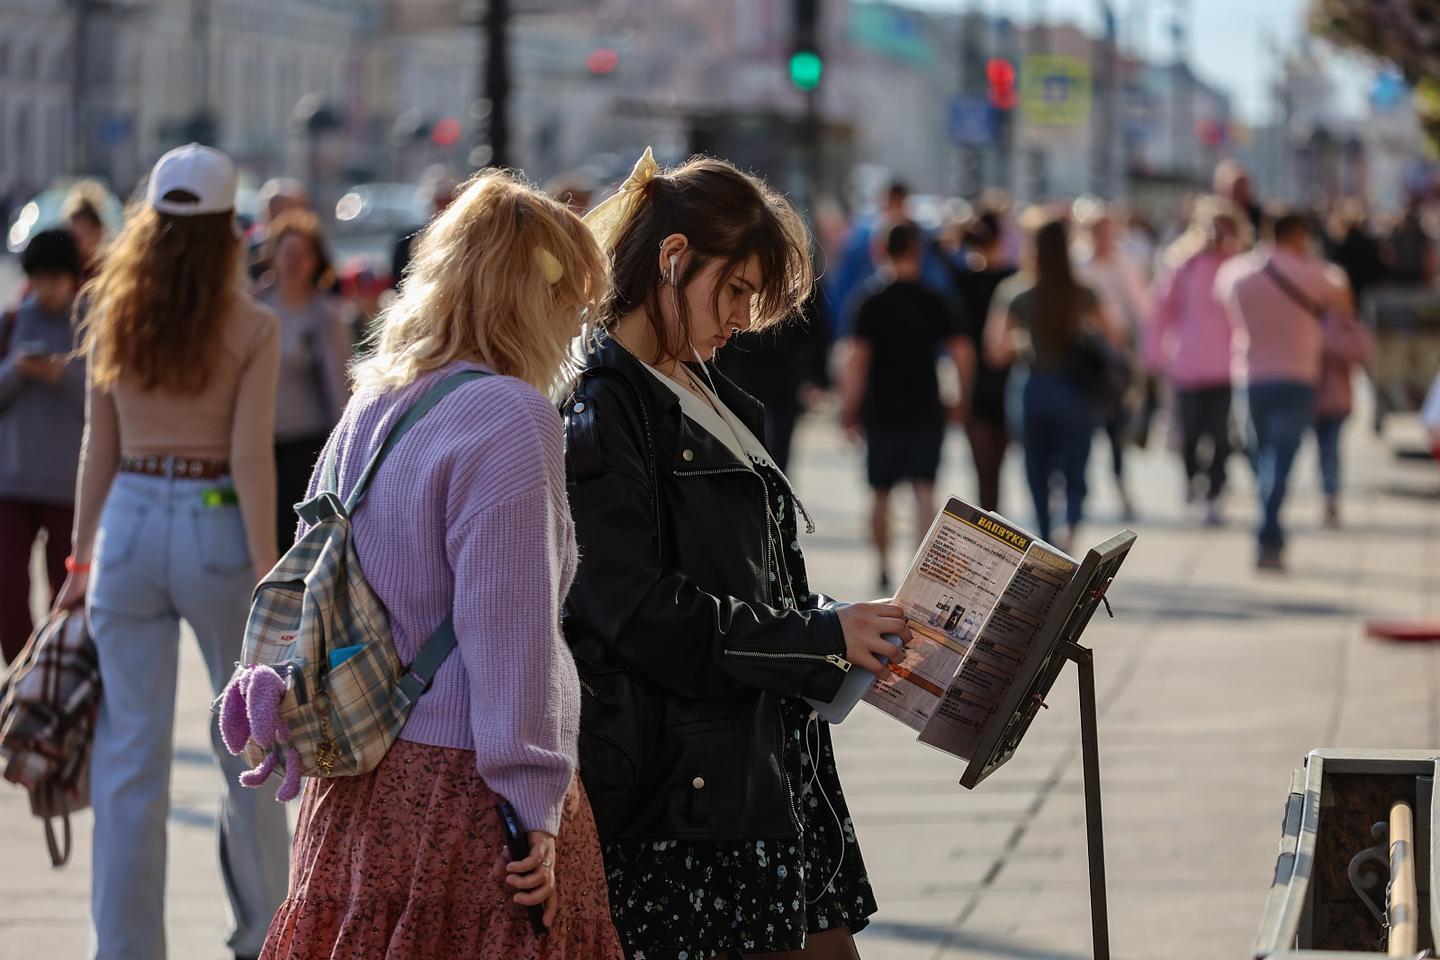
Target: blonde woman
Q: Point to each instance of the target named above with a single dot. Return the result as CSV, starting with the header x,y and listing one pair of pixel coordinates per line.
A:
x,y
468,518
175,514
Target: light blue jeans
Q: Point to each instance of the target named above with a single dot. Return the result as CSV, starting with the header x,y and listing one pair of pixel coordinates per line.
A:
x,y
163,555
1327,442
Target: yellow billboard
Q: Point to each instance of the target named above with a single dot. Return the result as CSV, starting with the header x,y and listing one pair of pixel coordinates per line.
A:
x,y
1055,90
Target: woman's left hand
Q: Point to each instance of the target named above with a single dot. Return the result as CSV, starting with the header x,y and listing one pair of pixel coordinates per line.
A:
x,y
534,876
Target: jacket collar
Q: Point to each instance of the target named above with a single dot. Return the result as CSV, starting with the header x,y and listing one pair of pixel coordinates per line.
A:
x,y
607,352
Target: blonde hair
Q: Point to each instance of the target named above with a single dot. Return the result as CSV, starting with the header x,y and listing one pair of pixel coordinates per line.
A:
x,y
482,286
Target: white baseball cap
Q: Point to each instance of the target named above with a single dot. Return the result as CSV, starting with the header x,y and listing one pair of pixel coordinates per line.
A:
x,y
203,171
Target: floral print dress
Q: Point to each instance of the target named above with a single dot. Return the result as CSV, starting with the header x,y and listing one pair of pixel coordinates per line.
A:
x,y
683,900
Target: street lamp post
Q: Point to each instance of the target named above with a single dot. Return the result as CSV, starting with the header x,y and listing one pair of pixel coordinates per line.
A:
x,y
496,80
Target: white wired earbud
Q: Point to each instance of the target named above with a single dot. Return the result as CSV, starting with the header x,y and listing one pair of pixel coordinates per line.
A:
x,y
675,302
814,785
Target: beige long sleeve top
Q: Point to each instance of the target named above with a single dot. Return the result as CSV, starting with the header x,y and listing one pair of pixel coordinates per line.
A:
x,y
232,418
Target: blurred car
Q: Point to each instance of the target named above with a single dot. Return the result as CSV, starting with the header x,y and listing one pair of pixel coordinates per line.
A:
x,y
374,208
44,211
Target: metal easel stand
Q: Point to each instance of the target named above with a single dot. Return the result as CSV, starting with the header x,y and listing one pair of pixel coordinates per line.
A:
x,y
1084,660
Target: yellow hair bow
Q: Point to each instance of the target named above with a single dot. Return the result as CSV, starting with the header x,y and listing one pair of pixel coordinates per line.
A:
x,y
550,266
610,217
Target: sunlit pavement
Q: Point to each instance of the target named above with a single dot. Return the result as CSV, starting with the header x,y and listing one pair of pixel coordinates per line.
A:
x,y
1214,680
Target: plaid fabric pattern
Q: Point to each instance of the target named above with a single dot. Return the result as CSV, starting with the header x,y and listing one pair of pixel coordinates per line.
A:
x,y
341,720
49,698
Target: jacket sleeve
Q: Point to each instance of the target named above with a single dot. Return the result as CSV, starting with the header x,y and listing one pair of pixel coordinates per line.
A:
x,y
654,618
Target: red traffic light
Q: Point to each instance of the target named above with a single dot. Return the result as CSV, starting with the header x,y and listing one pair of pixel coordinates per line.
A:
x,y
602,60
446,132
1001,76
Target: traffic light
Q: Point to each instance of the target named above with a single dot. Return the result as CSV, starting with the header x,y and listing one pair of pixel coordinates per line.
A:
x,y
806,64
1000,74
602,61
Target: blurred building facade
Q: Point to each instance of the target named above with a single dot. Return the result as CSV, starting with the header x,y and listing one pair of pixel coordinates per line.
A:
x,y
342,90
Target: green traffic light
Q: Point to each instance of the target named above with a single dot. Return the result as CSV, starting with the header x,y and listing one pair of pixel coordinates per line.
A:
x,y
805,69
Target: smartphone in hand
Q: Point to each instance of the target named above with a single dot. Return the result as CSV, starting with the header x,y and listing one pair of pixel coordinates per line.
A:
x,y
519,845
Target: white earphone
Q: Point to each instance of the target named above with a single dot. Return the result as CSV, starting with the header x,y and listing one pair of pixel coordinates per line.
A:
x,y
673,260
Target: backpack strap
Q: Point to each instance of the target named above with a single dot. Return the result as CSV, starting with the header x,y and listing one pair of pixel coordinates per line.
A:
x,y
327,503
424,405
421,673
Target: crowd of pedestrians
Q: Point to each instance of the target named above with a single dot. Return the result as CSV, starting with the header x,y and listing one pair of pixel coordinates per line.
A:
x,y
1239,333
609,532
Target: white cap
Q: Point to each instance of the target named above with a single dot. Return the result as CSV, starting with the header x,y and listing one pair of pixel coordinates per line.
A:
x,y
203,171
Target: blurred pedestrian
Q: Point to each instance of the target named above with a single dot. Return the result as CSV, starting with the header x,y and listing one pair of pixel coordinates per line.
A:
x,y
42,414
1353,245
1058,326
1347,345
691,617
785,368
1276,294
277,196
315,351
979,272
890,393
1103,266
365,288
1233,183
1190,342
176,512
856,266
466,520
82,211
1410,248
438,186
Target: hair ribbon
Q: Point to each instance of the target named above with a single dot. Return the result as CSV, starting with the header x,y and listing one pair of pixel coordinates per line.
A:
x,y
609,218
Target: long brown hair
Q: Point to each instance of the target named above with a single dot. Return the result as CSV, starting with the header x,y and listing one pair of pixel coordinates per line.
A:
x,y
1056,319
725,214
155,312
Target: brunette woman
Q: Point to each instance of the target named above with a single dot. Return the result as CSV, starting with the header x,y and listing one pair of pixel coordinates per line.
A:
x,y
1042,315
697,632
174,519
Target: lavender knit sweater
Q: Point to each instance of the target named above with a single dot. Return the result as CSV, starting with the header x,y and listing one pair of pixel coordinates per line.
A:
x,y
469,513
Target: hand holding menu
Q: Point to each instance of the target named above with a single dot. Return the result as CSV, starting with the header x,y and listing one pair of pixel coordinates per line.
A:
x,y
977,596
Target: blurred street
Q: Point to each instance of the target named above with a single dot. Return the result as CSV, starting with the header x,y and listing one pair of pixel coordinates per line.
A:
x,y
1213,680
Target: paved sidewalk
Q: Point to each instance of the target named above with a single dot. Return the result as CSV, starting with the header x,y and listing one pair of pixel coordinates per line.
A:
x,y
1213,683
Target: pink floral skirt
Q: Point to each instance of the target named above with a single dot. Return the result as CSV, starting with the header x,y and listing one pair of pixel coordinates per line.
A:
x,y
397,864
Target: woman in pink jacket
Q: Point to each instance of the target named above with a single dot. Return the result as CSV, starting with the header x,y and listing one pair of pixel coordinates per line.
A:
x,y
1190,343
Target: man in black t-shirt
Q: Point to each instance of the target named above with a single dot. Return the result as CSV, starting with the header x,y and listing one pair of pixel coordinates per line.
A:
x,y
890,390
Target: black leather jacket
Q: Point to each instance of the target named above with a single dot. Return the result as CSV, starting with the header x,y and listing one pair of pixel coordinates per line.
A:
x,y
682,661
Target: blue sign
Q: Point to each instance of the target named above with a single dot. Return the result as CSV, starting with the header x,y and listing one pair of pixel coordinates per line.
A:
x,y
116,129
972,121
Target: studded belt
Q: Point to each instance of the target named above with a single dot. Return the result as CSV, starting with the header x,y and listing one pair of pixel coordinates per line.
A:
x,y
192,468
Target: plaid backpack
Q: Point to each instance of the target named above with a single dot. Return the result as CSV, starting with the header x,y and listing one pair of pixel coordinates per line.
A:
x,y
49,698
320,690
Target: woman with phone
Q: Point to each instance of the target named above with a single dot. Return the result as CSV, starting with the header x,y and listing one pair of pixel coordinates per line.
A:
x,y
467,518
174,519
696,631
